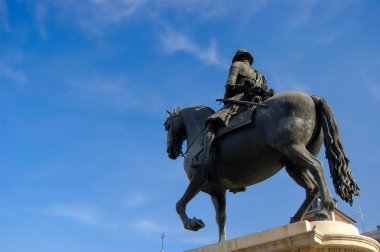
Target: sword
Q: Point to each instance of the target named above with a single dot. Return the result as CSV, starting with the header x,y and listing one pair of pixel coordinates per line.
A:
x,y
242,102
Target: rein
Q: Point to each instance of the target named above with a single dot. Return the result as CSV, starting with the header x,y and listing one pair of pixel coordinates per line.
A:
x,y
189,146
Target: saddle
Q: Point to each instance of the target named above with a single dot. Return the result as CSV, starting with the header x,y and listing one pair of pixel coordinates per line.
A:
x,y
241,119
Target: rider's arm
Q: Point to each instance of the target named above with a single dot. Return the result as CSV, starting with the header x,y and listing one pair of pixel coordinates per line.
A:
x,y
261,88
231,80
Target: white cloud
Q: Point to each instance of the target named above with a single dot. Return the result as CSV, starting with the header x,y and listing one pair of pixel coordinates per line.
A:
x,y
96,91
152,229
84,215
94,15
173,42
374,91
134,200
118,93
4,16
368,79
12,74
329,38
41,12
203,8
200,240
304,14
115,11
283,79
148,226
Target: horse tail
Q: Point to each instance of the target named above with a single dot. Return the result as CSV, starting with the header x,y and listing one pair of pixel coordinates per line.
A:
x,y
344,183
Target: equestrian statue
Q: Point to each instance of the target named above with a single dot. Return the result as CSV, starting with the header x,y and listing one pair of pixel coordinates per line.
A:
x,y
251,138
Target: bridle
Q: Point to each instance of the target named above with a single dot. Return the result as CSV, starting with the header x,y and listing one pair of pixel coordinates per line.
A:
x,y
189,146
170,130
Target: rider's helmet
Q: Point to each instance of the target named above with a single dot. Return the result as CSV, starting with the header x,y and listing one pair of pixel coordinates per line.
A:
x,y
242,54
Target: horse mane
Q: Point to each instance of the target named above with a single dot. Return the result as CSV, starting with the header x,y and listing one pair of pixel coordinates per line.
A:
x,y
200,110
197,115
203,110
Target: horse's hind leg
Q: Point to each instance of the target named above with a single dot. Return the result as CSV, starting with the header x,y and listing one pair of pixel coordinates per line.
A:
x,y
298,154
197,182
219,201
305,180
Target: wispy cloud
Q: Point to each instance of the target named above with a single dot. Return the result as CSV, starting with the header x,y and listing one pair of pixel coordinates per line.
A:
x,y
117,10
118,93
202,8
329,38
368,79
374,91
13,74
285,80
173,41
97,91
200,240
148,226
304,13
41,13
4,16
85,215
94,15
135,200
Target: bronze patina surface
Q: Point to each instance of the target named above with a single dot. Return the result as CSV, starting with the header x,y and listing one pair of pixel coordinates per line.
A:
x,y
287,132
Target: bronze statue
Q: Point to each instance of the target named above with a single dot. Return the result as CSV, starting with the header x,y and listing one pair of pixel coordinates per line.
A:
x,y
286,131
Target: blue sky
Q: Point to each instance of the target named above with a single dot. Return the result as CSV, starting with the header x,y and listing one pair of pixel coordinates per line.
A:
x,y
83,90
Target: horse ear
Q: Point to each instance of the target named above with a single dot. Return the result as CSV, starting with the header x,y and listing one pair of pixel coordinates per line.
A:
x,y
176,110
170,113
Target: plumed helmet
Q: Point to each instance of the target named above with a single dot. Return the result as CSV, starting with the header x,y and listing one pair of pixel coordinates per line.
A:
x,y
242,54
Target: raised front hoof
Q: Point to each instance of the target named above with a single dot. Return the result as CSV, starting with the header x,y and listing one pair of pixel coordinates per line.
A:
x,y
194,224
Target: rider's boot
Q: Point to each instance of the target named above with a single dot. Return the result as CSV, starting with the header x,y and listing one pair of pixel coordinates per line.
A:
x,y
205,159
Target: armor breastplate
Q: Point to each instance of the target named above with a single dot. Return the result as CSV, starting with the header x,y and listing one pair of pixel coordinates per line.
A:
x,y
246,73
246,77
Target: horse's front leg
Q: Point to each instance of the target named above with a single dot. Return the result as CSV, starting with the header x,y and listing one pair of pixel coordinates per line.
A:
x,y
198,181
219,201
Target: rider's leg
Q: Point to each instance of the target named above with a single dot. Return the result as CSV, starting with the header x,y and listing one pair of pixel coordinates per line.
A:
x,y
206,155
209,138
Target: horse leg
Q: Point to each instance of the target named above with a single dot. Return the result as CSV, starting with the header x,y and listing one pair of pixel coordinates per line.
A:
x,y
298,154
197,182
305,180
219,200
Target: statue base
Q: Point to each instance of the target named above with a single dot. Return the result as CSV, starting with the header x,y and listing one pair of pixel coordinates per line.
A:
x,y
302,236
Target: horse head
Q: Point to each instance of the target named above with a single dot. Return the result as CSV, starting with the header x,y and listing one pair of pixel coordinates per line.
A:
x,y
176,133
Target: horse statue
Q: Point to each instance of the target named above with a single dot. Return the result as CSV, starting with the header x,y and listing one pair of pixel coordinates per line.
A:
x,y
288,132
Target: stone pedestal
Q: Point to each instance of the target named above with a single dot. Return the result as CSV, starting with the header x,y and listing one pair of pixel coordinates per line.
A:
x,y
321,236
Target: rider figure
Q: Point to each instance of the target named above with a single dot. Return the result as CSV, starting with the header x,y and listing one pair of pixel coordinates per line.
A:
x,y
244,83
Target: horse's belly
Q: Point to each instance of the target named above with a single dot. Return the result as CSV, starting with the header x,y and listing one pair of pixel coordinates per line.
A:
x,y
249,169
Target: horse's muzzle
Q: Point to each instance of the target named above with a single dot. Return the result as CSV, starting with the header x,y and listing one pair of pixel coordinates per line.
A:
x,y
173,152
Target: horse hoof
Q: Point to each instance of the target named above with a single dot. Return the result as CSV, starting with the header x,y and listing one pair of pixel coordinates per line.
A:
x,y
194,224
